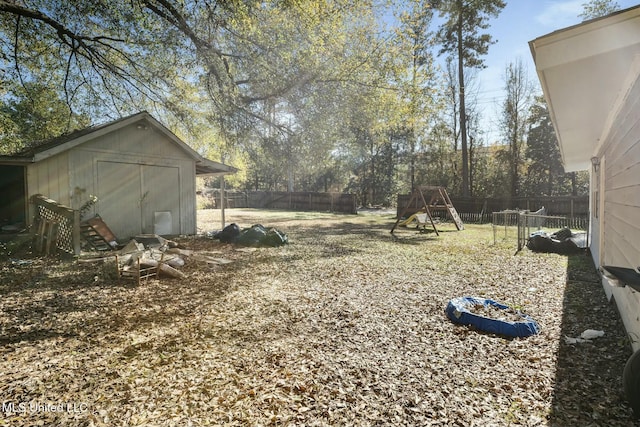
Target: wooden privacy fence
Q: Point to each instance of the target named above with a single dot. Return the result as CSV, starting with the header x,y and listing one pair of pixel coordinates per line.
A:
x,y
479,210
470,209
303,201
56,227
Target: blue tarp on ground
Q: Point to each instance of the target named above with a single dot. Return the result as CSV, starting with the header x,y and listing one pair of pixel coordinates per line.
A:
x,y
458,310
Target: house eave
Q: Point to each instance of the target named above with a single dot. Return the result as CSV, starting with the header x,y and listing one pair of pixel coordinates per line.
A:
x,y
583,71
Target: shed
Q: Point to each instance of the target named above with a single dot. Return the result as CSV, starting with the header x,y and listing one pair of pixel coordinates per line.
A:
x,y
590,75
143,176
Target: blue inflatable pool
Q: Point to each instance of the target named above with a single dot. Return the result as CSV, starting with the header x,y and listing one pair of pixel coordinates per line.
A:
x,y
459,310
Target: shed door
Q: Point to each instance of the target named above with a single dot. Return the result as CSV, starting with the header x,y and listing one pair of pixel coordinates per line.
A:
x,y
119,186
161,193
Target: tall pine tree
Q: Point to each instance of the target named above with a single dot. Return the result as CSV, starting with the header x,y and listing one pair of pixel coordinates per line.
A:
x,y
461,36
545,169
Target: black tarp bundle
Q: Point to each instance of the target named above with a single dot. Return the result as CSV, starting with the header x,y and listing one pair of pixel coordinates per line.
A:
x,y
256,235
561,242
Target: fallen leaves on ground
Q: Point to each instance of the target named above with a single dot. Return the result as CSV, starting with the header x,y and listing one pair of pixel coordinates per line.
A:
x,y
491,311
343,326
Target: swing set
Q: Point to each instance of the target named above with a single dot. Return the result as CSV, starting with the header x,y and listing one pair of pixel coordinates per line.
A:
x,y
431,198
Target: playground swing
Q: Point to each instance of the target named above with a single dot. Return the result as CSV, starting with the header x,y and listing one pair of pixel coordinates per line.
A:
x,y
438,199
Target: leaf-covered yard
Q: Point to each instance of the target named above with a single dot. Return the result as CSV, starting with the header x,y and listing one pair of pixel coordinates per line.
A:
x,y
343,326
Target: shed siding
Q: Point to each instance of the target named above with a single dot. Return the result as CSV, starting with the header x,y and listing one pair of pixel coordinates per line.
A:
x,y
118,192
83,177
136,170
136,143
620,219
152,153
50,178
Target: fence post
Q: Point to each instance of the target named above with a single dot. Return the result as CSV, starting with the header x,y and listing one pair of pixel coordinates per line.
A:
x,y
75,232
223,203
571,208
493,225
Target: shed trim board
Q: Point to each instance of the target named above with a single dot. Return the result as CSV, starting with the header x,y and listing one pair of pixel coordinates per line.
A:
x,y
590,76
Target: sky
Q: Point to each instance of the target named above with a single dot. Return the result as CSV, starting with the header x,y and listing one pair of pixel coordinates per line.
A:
x,y
520,22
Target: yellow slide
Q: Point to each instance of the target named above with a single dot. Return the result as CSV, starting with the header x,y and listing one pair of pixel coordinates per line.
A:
x,y
419,218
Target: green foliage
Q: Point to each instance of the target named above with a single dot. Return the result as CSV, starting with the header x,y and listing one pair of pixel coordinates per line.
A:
x,y
597,8
34,113
415,78
460,37
514,121
298,94
545,173
461,31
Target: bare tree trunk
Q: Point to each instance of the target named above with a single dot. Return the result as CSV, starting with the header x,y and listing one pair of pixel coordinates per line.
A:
x,y
471,168
463,113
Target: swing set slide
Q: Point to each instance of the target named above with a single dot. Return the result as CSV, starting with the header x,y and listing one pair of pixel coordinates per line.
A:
x,y
419,218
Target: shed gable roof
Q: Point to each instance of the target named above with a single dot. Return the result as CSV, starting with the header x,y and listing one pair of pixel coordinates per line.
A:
x,y
66,142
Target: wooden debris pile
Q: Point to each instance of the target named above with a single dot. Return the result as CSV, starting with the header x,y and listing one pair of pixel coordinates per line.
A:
x,y
147,256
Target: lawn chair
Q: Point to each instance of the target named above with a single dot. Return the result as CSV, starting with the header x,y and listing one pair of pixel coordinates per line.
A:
x,y
134,267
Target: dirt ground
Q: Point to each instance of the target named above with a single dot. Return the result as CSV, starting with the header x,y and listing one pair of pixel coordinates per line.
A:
x,y
345,325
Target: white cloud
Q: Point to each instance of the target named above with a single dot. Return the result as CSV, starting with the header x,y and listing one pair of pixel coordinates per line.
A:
x,y
560,14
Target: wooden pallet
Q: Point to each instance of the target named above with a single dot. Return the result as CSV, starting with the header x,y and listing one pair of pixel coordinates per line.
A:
x,y
46,235
97,234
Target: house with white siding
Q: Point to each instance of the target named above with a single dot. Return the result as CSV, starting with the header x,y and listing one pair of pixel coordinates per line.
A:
x,y
590,76
140,172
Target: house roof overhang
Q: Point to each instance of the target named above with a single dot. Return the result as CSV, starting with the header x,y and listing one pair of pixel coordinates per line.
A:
x,y
585,72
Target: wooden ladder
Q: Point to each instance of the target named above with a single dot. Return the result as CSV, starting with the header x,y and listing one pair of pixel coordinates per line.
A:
x,y
97,234
452,210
